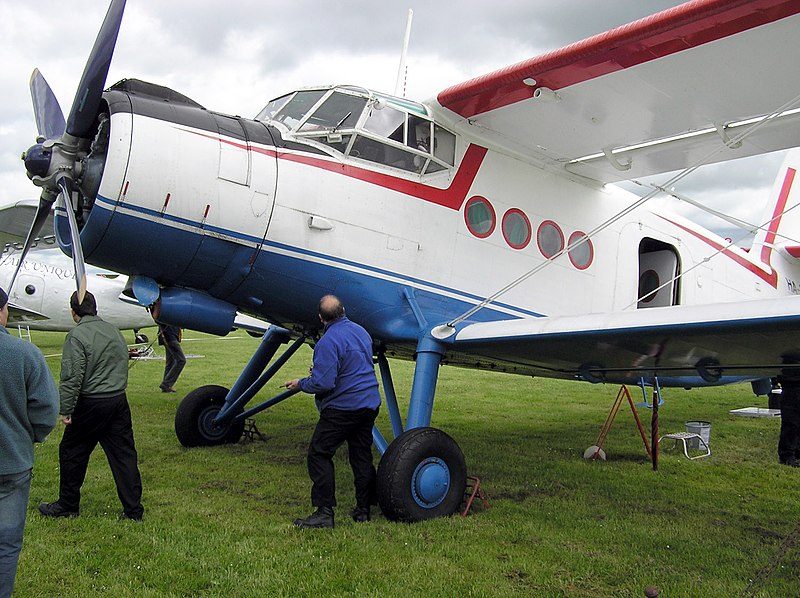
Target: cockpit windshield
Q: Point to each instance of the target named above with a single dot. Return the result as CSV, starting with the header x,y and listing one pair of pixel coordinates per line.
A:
x,y
367,126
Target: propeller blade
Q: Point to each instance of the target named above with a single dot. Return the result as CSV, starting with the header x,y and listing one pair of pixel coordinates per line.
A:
x,y
65,184
49,118
90,90
45,204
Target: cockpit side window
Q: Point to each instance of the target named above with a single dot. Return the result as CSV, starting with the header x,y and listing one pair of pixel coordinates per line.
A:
x,y
293,112
386,122
444,145
270,109
419,133
339,111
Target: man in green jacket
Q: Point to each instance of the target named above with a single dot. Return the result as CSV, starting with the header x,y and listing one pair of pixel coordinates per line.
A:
x,y
94,408
28,412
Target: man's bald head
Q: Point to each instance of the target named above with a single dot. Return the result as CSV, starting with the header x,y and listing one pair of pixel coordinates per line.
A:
x,y
330,308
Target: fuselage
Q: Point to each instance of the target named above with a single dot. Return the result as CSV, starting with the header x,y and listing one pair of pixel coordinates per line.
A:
x,y
270,214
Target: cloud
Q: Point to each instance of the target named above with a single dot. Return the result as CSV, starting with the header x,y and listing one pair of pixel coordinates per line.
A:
x,y
233,57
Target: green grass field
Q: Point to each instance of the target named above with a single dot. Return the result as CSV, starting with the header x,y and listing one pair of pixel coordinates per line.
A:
x,y
218,520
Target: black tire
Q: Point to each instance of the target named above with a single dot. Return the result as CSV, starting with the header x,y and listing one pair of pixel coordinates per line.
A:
x,y
141,338
196,412
421,475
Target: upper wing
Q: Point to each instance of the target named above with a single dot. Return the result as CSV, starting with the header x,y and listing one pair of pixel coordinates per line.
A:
x,y
689,345
15,222
656,95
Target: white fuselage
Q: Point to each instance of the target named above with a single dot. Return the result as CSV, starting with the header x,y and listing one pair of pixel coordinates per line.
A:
x,y
270,221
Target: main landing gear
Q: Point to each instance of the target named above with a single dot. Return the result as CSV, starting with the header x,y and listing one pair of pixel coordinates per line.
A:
x,y
422,473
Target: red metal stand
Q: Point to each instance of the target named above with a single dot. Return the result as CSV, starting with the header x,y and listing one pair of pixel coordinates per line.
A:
x,y
623,392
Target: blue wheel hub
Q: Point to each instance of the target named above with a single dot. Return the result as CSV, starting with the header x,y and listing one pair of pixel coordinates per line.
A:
x,y
205,423
430,482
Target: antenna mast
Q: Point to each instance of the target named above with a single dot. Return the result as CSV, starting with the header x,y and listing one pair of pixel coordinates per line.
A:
x,y
401,70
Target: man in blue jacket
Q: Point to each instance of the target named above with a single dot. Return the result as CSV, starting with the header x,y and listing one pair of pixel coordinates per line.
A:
x,y
28,412
346,392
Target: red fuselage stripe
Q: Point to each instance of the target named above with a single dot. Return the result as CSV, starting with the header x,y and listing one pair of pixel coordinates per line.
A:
x,y
780,207
452,197
682,27
770,275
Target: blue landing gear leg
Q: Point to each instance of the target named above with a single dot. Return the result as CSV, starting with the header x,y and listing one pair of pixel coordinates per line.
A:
x,y
212,415
422,473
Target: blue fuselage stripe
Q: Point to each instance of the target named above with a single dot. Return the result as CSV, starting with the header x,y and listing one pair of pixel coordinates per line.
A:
x,y
344,263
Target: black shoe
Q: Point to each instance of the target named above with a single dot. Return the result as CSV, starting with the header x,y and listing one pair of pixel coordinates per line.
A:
x,y
321,518
54,509
125,517
360,514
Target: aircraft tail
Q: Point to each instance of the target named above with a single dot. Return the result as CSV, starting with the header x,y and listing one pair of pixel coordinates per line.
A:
x,y
781,218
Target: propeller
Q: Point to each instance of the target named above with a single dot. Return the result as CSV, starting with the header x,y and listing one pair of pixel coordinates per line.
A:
x,y
65,184
57,160
49,118
90,90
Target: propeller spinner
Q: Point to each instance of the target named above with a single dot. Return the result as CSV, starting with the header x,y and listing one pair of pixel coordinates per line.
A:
x,y
57,162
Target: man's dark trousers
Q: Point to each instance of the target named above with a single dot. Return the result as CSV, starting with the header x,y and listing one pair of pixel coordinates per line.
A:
x,y
335,427
106,421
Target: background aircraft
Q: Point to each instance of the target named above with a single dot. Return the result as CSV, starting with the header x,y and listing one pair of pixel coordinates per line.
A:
x,y
39,299
477,229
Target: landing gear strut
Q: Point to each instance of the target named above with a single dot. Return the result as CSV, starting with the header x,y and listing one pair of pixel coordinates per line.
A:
x,y
212,415
423,473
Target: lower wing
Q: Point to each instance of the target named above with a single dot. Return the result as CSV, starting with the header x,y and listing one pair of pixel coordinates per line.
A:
x,y
681,345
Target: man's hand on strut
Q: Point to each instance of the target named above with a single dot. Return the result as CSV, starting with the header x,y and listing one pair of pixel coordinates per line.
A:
x,y
65,419
293,384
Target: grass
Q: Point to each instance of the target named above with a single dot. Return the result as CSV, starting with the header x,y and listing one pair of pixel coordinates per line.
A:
x,y
218,520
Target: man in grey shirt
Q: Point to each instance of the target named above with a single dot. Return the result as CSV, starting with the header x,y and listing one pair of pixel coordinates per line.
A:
x,y
28,412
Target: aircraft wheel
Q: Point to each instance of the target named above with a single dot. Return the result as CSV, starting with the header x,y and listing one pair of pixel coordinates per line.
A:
x,y
422,475
140,338
195,414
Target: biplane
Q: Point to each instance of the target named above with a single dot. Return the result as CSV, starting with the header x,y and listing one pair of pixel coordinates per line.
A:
x,y
481,228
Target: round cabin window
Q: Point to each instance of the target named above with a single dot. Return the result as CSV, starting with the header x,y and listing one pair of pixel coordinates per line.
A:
x,y
582,253
516,229
480,217
549,238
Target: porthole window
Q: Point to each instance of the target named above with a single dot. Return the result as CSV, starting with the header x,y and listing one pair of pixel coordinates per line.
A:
x,y
582,254
480,218
516,228
30,289
549,238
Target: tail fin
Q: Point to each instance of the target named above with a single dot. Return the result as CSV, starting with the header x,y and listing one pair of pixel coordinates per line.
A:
x,y
781,218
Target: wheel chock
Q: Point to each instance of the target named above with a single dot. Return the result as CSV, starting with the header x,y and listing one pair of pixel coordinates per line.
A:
x,y
472,490
251,432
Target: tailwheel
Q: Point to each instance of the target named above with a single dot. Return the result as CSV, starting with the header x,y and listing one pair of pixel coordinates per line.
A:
x,y
195,415
422,475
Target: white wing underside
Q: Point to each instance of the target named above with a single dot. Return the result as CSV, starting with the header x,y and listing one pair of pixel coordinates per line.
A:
x,y
661,114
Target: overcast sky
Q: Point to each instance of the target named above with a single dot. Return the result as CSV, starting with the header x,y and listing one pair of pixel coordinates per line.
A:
x,y
234,56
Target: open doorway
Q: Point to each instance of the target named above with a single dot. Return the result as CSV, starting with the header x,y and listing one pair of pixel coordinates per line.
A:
x,y
659,268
